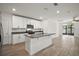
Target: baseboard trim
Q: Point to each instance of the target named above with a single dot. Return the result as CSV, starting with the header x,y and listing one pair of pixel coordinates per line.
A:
x,y
12,44
18,43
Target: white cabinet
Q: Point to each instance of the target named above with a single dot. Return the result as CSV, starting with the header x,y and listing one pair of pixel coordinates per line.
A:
x,y
76,29
49,26
33,45
18,38
22,38
19,22
37,24
15,39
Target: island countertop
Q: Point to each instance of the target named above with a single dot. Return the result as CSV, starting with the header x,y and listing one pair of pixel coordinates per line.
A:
x,y
39,35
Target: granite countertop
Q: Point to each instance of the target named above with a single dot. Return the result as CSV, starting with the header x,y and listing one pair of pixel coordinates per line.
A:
x,y
18,32
39,35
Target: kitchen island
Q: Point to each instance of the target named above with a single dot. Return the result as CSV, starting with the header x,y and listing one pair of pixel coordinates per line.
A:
x,y
36,42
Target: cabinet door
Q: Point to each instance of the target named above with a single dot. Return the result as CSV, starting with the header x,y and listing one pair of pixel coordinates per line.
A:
x,y
19,22
16,38
22,38
76,29
37,24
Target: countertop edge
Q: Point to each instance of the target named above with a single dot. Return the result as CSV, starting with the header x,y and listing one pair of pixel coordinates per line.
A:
x,y
41,36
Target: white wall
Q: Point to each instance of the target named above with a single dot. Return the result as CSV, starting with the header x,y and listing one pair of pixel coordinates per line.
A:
x,y
7,27
50,26
37,24
59,28
76,29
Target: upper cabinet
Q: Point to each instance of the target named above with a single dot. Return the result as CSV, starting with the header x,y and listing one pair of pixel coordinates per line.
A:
x,y
37,24
19,22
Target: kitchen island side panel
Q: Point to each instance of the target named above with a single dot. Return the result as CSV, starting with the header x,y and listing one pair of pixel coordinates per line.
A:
x,y
37,44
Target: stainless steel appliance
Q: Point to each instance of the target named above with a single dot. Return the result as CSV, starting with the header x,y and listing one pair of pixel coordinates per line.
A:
x,y
30,29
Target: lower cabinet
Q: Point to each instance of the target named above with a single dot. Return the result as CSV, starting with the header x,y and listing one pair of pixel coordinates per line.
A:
x,y
18,38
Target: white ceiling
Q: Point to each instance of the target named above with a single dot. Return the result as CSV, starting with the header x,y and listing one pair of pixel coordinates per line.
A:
x,y
37,10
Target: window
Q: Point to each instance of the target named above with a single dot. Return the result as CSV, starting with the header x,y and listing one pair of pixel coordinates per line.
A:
x,y
68,29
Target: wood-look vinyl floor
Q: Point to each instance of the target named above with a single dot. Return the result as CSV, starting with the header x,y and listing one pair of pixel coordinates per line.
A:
x,y
62,46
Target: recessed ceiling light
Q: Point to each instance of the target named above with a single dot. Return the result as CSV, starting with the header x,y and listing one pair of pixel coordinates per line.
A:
x,y
13,9
41,17
58,11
